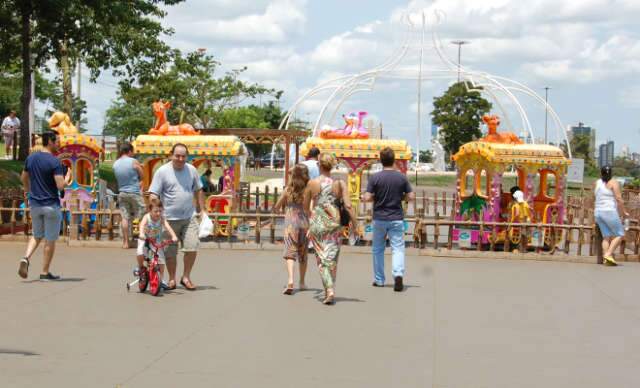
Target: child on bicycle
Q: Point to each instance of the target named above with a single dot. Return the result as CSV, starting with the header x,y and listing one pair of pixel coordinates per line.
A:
x,y
152,226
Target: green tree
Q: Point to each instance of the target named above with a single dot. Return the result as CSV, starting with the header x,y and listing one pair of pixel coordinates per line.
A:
x,y
127,120
124,35
197,96
426,156
458,113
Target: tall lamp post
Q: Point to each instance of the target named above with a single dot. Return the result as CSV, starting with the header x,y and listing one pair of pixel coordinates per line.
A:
x,y
459,43
546,112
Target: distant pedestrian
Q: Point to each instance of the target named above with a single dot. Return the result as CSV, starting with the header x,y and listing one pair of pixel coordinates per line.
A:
x,y
325,230
387,189
176,184
205,180
10,126
129,173
42,179
312,162
608,208
296,225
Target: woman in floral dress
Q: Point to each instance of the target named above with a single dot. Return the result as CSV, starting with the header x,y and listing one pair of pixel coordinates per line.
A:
x,y
296,225
324,191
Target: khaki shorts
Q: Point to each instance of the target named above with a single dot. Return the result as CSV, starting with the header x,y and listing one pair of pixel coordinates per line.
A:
x,y
187,233
130,205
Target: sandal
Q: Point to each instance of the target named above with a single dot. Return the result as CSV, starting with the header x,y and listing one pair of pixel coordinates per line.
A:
x,y
329,300
288,290
187,284
23,270
171,285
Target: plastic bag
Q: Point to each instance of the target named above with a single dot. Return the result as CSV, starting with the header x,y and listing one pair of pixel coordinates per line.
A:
x,y
206,227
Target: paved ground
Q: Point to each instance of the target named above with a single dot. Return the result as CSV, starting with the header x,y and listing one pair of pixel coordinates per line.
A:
x,y
460,323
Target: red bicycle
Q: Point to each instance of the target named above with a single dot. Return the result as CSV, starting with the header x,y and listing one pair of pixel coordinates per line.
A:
x,y
149,275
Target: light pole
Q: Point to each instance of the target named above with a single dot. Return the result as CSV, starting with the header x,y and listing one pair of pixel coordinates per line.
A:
x,y
459,43
546,111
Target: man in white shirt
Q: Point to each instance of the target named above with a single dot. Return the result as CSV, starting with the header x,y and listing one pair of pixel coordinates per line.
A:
x,y
10,125
312,162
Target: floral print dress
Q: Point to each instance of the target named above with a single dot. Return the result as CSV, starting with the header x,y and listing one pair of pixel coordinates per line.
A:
x,y
296,225
327,246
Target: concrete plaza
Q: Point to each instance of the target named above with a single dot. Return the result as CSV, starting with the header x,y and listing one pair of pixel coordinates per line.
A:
x,y
459,324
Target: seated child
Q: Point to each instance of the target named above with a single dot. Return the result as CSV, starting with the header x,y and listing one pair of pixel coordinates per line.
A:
x,y
520,210
153,225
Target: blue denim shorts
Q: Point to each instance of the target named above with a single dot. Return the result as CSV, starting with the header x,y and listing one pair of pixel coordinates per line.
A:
x,y
609,223
46,222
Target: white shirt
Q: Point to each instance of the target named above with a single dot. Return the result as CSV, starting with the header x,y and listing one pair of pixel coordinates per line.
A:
x,y
10,125
605,198
312,166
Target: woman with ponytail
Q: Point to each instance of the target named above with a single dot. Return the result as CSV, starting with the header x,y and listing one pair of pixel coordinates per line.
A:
x,y
608,208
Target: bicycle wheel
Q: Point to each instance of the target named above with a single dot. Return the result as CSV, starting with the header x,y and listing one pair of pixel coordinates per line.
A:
x,y
144,279
154,280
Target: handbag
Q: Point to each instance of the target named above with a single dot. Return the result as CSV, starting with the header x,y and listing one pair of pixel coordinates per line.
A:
x,y
345,217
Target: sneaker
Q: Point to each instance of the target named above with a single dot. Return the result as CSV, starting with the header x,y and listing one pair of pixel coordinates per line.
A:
x,y
377,284
49,276
23,270
397,284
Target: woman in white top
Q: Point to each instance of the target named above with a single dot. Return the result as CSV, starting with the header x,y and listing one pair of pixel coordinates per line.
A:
x,y
608,207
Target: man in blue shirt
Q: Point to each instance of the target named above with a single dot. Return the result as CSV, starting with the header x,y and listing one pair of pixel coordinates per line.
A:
x,y
128,172
42,179
386,190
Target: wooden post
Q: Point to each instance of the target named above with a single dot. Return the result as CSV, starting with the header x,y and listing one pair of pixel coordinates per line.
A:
x,y
436,231
275,196
494,237
480,232
272,230
85,225
248,199
98,224
568,236
599,252
257,199
425,204
287,150
258,228
444,203
435,203
109,225
524,239
580,240
266,199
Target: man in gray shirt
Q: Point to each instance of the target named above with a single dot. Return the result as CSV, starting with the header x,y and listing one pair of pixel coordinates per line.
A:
x,y
176,184
128,172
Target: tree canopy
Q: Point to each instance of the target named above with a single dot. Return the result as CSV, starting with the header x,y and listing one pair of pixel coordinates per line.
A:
x,y
458,113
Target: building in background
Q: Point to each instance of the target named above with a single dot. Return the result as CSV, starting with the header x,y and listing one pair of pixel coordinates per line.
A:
x,y
605,154
635,157
625,152
580,129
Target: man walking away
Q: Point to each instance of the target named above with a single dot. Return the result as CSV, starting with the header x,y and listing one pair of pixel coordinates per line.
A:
x,y
128,172
386,189
10,125
42,180
176,184
312,163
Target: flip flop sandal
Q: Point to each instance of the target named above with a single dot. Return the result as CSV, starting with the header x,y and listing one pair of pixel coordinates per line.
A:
x,y
23,270
288,290
187,285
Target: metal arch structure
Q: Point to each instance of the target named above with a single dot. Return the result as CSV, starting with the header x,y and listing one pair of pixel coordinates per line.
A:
x,y
494,87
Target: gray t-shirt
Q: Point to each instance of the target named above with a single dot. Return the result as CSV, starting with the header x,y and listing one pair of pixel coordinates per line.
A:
x,y
126,175
176,189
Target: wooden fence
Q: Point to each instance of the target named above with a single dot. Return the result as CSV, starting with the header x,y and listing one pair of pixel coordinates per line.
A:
x,y
436,232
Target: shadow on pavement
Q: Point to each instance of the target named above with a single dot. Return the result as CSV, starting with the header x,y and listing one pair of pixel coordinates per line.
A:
x,y
18,352
55,281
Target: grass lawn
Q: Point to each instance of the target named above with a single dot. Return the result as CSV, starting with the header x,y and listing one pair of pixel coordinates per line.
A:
x,y
10,174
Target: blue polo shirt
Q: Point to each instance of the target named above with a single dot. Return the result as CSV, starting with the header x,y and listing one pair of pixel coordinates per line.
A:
x,y
42,167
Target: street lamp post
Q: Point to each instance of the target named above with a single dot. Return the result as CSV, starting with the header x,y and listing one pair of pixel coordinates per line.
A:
x,y
459,43
546,111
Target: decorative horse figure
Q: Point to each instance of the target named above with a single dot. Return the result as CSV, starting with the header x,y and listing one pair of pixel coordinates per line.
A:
x,y
353,128
162,126
61,123
493,136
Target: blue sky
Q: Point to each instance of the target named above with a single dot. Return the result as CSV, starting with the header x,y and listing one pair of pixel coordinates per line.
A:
x,y
587,52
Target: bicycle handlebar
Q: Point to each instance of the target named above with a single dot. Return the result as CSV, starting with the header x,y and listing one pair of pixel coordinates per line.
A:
x,y
154,243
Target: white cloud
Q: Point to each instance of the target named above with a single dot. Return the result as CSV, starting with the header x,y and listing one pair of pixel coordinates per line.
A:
x,y
271,25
